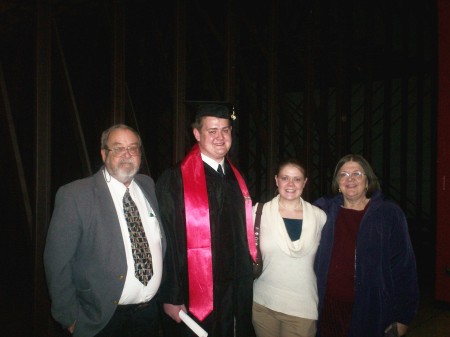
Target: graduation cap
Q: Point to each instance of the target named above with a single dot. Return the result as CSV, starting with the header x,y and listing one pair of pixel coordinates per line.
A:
x,y
212,109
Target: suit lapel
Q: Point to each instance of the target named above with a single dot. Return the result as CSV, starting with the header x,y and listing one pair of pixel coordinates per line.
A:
x,y
107,210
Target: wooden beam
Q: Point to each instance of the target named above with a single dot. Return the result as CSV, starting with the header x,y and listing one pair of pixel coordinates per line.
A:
x,y
179,125
443,160
41,303
118,62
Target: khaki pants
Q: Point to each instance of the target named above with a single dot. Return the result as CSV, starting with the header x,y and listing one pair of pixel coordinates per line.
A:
x,y
269,323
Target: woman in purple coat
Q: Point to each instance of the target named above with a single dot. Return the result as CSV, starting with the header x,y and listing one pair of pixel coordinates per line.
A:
x,y
365,264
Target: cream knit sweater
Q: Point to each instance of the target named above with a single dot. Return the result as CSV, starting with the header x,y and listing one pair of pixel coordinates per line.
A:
x,y
288,283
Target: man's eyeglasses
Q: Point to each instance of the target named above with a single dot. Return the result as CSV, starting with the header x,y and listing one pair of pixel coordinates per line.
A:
x,y
354,175
119,151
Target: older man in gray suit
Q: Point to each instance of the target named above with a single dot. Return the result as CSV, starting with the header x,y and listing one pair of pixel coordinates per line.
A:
x,y
104,251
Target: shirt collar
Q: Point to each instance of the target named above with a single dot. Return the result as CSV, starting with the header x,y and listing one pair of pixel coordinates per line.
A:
x,y
211,162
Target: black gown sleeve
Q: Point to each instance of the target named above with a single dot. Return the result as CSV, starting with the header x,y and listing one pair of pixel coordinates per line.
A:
x,y
169,191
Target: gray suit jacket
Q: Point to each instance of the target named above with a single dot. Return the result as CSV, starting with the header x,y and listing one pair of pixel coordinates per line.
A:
x,y
84,256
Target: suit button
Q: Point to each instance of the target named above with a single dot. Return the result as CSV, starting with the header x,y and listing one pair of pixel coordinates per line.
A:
x,y
121,277
115,302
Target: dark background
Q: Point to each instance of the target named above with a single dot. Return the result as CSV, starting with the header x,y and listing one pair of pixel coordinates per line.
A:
x,y
310,79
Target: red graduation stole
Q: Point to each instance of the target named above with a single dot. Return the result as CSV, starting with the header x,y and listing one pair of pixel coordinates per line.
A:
x,y
198,232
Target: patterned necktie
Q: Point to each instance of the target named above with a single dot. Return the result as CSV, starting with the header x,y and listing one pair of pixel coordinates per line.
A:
x,y
220,170
139,244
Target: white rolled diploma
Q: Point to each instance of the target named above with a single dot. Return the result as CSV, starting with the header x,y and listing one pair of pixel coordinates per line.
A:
x,y
197,329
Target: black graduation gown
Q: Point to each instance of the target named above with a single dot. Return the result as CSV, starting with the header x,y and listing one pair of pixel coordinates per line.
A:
x,y
232,264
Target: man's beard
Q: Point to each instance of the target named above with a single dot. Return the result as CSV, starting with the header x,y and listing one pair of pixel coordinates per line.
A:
x,y
124,174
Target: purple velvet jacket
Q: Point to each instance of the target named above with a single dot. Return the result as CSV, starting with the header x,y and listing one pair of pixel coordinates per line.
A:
x,y
386,287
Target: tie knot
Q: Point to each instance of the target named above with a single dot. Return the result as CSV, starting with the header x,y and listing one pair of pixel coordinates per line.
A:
x,y
220,170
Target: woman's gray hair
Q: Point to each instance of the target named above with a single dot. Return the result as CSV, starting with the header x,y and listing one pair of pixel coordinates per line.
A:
x,y
372,180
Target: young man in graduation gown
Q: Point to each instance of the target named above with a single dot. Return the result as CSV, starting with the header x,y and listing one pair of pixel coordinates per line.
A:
x,y
206,213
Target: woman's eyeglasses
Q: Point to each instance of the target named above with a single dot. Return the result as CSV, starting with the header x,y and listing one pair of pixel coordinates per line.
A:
x,y
354,175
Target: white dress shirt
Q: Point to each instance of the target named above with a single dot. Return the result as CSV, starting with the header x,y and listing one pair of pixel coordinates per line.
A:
x,y
211,162
134,291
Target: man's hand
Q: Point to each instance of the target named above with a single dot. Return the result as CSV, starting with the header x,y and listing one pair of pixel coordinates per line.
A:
x,y
72,328
174,311
400,329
